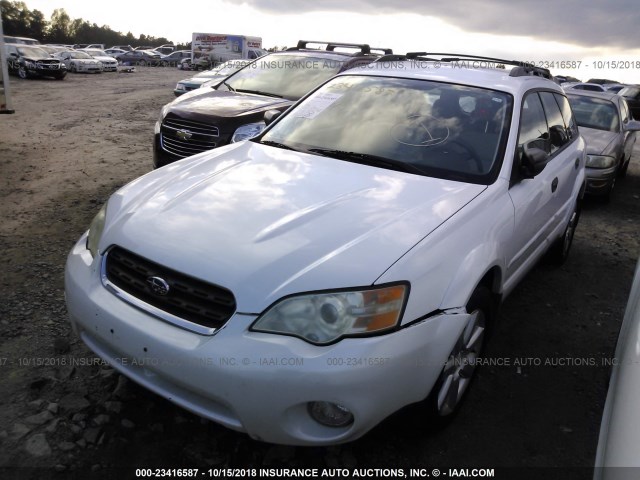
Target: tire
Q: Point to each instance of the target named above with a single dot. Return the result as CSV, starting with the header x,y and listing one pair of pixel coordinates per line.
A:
x,y
623,169
60,77
448,393
22,72
559,251
73,68
142,63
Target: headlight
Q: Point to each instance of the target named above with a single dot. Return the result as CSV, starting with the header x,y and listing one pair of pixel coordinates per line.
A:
x,y
29,64
600,161
95,231
323,318
180,86
163,112
247,131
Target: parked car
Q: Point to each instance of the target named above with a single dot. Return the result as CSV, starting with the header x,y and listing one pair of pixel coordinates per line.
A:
x,y
303,285
618,440
593,87
203,78
139,57
174,59
234,110
80,62
606,124
29,61
114,52
52,50
126,48
165,49
631,94
20,40
109,63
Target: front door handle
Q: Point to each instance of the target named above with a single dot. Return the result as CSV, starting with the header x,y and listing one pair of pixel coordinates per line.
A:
x,y
554,184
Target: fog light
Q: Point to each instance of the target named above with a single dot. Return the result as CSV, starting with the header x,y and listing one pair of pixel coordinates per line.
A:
x,y
330,414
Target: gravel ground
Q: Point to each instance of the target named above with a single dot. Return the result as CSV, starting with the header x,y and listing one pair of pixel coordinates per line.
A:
x,y
62,411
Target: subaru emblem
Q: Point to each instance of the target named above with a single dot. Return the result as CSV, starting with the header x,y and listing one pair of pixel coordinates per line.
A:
x,y
158,285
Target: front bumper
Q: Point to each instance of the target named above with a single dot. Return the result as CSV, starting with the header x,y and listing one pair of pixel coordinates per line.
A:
x,y
600,180
255,382
88,68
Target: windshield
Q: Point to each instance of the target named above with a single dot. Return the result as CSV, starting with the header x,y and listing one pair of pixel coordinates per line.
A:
x,y
424,127
595,113
32,52
96,53
288,76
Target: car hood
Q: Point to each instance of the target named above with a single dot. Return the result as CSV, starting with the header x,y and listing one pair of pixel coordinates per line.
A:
x,y
201,80
209,102
597,140
39,58
105,58
266,222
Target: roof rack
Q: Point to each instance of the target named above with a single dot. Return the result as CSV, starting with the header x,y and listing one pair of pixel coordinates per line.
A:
x,y
331,46
394,57
385,51
522,68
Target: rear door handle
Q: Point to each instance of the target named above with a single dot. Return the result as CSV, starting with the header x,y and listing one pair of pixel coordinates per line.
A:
x,y
554,184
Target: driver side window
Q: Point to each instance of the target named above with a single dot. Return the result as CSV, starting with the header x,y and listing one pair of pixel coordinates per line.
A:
x,y
533,126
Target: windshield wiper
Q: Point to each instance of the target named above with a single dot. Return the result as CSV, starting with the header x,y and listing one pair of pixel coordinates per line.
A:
x,y
231,89
367,159
271,143
257,92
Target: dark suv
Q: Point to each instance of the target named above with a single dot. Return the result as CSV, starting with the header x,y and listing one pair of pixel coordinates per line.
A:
x,y
30,61
233,110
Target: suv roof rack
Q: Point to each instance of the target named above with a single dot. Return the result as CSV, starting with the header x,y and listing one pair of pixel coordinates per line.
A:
x,y
385,51
331,46
522,68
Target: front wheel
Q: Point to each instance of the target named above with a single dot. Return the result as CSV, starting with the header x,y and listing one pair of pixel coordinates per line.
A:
x,y
142,63
559,251
622,172
22,72
447,394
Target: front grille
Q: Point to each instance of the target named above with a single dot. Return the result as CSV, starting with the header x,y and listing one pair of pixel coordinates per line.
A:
x,y
184,138
48,65
188,298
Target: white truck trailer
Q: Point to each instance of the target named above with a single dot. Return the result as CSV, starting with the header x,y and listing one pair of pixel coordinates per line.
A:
x,y
211,49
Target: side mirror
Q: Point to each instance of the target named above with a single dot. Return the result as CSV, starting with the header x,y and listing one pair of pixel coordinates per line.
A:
x,y
271,115
632,126
558,135
534,160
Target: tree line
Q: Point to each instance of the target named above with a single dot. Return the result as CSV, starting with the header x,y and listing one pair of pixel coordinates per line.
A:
x,y
18,20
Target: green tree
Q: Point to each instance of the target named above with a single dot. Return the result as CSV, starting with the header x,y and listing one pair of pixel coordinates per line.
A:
x,y
60,28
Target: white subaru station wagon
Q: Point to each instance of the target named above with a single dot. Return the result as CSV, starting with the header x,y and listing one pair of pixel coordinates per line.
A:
x,y
303,285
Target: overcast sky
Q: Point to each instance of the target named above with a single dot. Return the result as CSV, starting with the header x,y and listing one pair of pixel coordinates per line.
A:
x,y
585,32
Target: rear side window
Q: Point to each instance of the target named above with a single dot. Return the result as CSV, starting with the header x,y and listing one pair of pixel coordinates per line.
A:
x,y
567,114
534,132
624,110
558,136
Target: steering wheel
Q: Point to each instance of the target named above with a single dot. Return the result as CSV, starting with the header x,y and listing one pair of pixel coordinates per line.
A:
x,y
470,151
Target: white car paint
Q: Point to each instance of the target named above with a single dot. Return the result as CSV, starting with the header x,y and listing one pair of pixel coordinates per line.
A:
x,y
267,223
618,441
